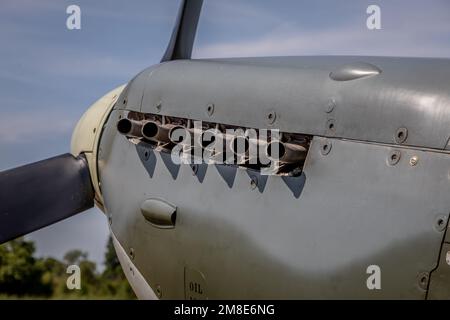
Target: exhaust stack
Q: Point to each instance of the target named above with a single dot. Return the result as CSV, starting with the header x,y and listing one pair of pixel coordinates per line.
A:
x,y
156,132
129,128
286,152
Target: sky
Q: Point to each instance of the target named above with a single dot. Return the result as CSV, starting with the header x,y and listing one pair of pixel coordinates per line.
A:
x,y
50,75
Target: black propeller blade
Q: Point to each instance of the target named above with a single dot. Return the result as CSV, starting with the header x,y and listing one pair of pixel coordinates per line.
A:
x,y
42,193
183,36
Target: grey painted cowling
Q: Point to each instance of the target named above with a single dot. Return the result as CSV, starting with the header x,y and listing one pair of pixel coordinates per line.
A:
x,y
406,93
355,207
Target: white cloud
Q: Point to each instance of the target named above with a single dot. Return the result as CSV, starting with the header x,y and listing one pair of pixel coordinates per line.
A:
x,y
345,41
416,30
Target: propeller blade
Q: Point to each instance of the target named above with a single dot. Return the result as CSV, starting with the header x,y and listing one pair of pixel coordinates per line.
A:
x,y
183,36
40,194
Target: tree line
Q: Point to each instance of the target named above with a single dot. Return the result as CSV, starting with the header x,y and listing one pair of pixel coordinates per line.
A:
x,y
22,275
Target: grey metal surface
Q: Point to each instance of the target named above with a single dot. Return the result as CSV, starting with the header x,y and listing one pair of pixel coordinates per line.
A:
x,y
159,213
133,93
440,278
354,210
439,288
409,93
137,281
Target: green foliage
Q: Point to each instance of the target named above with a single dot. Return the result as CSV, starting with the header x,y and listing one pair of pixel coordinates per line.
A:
x,y
24,276
113,276
20,272
75,257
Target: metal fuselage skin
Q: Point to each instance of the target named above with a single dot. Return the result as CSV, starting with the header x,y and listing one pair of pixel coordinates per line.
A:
x,y
310,236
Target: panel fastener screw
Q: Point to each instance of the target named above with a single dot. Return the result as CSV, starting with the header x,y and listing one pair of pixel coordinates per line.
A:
x,y
158,291
330,106
158,106
271,117
325,147
423,280
413,161
253,183
210,109
394,157
441,223
401,135
331,126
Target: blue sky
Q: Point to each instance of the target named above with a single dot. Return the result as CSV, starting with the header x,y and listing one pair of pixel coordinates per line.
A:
x,y
50,75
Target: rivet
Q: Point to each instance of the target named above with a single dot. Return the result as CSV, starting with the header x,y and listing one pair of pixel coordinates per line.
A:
x,y
330,106
325,147
253,183
158,106
158,291
132,253
271,117
210,109
401,135
423,280
447,258
331,125
413,161
394,157
440,223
